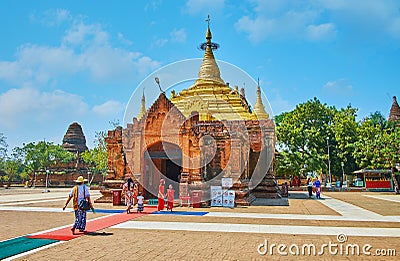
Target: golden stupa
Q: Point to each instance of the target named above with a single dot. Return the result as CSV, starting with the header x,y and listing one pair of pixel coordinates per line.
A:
x,y
196,137
212,98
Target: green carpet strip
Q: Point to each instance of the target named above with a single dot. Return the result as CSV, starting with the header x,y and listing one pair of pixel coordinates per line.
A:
x,y
19,245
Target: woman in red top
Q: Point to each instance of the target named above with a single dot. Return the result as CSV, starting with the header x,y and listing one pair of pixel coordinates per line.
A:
x,y
170,197
135,193
161,195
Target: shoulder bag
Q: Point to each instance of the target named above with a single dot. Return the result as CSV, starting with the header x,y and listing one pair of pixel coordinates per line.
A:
x,y
84,204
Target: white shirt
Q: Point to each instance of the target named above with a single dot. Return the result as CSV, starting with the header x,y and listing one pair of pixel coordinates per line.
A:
x,y
140,199
80,192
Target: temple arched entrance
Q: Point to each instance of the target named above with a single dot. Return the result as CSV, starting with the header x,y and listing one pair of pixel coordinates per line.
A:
x,y
162,159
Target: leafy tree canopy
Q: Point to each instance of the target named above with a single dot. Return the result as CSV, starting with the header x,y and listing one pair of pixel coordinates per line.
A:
x,y
304,134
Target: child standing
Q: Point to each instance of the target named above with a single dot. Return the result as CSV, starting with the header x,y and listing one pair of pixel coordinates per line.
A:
x,y
140,200
170,197
317,185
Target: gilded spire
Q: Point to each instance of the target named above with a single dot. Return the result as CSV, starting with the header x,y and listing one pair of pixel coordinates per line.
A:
x,y
209,70
209,96
142,111
259,110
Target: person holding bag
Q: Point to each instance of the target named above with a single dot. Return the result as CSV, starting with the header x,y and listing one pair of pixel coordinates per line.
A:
x,y
81,202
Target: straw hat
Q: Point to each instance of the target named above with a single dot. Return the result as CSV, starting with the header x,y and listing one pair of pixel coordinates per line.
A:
x,y
80,179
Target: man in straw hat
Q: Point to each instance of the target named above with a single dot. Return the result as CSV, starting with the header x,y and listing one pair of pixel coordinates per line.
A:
x,y
79,192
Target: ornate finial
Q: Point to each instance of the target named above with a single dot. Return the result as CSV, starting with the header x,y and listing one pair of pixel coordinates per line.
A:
x,y
208,33
208,20
208,43
209,70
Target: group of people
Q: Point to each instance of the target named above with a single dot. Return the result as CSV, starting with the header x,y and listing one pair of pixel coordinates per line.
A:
x,y
314,186
169,196
132,196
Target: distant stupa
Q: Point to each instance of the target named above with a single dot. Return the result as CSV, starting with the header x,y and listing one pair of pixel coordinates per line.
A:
x,y
394,110
74,140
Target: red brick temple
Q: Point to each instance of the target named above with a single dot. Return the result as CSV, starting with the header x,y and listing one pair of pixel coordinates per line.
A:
x,y
195,138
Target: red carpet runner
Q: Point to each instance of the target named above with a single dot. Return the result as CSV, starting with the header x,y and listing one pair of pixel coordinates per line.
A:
x,y
65,234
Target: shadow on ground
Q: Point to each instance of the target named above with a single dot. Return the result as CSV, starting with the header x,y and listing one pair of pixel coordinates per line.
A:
x,y
98,234
304,195
271,202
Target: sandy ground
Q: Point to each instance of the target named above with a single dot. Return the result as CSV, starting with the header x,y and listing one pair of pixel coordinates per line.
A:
x,y
133,244
19,223
120,244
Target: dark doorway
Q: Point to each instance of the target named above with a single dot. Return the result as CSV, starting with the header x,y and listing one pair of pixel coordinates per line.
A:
x,y
163,160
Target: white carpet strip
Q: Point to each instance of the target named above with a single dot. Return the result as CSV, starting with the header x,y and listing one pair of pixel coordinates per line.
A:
x,y
263,229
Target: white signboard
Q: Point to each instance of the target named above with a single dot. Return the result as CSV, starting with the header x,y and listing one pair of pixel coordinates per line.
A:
x,y
216,196
227,182
228,199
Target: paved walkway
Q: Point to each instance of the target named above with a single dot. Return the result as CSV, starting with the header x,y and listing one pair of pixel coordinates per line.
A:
x,y
352,212
392,198
264,229
212,223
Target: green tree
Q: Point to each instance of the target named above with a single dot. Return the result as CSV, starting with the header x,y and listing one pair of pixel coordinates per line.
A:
x,y
302,138
3,150
97,157
344,128
390,150
378,148
366,147
13,168
378,119
43,155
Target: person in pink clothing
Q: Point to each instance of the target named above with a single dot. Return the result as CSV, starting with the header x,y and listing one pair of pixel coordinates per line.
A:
x,y
170,197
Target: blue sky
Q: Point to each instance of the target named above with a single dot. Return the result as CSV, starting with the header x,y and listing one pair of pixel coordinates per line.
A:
x,y
65,61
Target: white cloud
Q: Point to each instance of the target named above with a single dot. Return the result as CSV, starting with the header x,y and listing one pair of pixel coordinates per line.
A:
x,y
84,48
366,16
27,105
321,32
203,6
52,17
257,29
338,87
123,40
175,36
320,20
152,5
80,34
276,19
109,108
159,42
178,35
